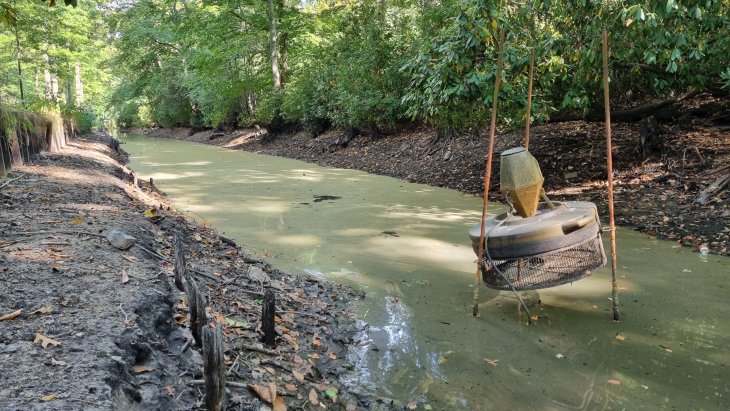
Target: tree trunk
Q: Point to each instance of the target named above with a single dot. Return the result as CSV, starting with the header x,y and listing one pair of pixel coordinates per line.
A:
x,y
47,77
20,69
54,87
283,37
69,89
272,45
79,86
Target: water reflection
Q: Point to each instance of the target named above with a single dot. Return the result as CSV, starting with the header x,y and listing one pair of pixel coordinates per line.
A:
x,y
406,245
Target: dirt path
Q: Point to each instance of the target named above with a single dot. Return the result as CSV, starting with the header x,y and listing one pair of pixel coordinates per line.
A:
x,y
84,325
654,194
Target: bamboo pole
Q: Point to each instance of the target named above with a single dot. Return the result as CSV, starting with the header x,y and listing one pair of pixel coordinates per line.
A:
x,y
609,166
488,174
529,99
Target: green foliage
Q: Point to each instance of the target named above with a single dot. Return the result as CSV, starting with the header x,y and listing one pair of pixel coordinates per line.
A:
x,y
357,63
84,117
7,15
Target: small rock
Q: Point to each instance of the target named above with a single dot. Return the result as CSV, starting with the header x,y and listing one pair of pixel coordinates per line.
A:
x,y
120,240
11,349
572,174
258,274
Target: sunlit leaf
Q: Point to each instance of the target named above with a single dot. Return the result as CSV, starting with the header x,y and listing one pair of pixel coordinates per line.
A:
x,y
45,341
11,316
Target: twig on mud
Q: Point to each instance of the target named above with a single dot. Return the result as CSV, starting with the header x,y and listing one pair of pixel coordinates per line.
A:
x,y
58,232
126,318
303,314
228,384
163,258
7,183
233,366
5,244
185,346
258,349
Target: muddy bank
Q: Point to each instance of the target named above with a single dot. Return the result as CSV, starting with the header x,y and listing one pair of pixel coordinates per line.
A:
x,y
85,325
655,193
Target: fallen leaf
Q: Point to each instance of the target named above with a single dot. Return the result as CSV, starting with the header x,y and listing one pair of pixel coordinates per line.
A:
x,y
299,376
412,405
620,337
444,357
313,397
646,387
291,340
332,356
59,362
427,406
170,390
49,397
493,363
77,220
314,356
43,310
290,387
316,343
139,369
125,277
279,404
45,341
272,392
332,393
234,323
614,382
559,356
11,316
262,392
149,213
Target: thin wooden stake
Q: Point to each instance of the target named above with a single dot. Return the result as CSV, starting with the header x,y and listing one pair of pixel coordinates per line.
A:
x,y
268,325
197,311
609,166
215,368
488,174
179,269
529,99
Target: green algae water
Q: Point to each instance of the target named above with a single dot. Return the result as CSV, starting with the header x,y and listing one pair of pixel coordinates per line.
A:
x,y
406,245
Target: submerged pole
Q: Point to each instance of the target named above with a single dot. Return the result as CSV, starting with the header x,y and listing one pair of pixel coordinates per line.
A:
x,y
609,166
488,174
529,99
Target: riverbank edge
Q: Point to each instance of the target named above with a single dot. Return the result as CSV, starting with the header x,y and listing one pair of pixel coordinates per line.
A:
x,y
653,195
146,358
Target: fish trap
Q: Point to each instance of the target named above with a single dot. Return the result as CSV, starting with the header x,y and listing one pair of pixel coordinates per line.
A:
x,y
546,270
560,244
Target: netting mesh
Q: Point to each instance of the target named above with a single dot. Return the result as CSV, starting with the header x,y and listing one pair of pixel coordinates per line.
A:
x,y
545,270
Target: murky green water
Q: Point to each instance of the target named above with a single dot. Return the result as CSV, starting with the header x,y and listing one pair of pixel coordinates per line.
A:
x,y
406,245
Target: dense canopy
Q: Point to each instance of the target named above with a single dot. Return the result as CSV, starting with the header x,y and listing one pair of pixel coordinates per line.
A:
x,y
357,63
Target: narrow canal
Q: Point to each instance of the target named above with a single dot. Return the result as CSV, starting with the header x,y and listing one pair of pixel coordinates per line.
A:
x,y
406,246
